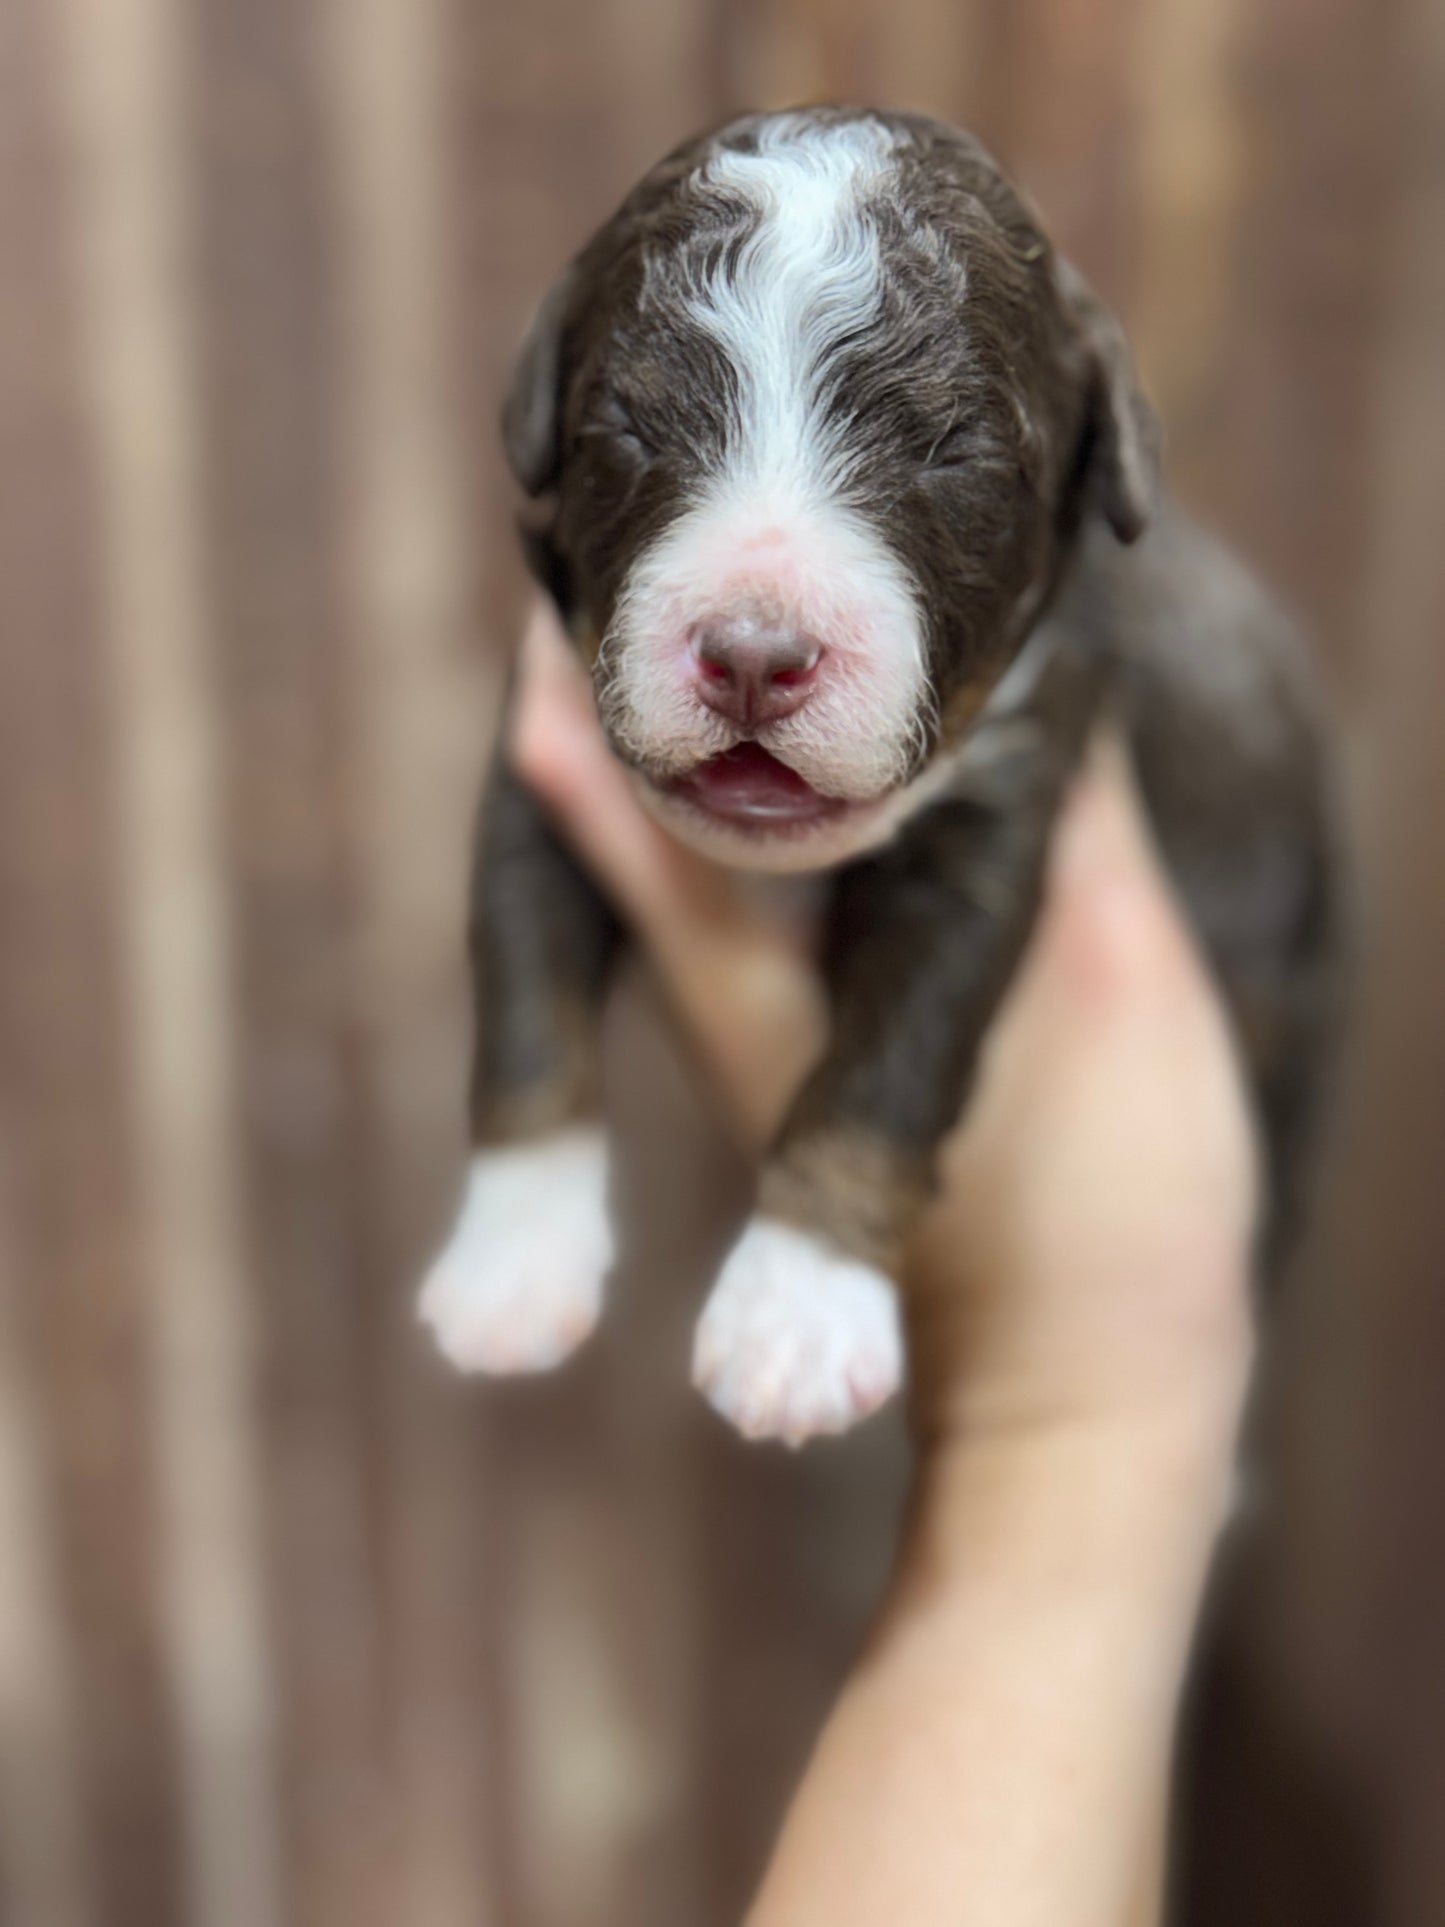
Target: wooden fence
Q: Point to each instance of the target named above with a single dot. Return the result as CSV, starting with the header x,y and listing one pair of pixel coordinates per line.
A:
x,y
293,1628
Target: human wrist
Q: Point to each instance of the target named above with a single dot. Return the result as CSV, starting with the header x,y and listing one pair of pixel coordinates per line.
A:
x,y
1121,1507
1005,1738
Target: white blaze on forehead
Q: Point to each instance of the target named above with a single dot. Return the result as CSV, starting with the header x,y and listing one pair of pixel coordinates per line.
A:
x,y
808,277
775,520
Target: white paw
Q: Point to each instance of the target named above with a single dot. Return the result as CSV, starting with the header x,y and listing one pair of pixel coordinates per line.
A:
x,y
796,1338
519,1286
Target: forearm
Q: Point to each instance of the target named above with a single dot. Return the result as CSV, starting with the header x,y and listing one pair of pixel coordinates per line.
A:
x,y
998,1755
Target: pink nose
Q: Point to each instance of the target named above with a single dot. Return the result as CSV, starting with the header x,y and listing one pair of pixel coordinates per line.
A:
x,y
752,671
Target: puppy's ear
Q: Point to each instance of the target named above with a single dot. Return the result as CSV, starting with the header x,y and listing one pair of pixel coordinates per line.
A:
x,y
1122,460
531,415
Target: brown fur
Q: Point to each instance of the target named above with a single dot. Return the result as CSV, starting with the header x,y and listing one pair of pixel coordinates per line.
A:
x,y
1015,524
866,1189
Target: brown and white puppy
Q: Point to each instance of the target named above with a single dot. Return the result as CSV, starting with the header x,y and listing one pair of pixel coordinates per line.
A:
x,y
838,462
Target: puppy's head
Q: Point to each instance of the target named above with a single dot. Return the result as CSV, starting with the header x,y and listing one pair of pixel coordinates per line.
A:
x,y
815,417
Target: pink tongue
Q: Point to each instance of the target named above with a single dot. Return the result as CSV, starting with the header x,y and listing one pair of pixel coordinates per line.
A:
x,y
748,784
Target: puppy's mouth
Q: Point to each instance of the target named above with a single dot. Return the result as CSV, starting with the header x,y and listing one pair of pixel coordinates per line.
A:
x,y
751,790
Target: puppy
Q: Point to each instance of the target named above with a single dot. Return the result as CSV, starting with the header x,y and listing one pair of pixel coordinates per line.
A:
x,y
845,480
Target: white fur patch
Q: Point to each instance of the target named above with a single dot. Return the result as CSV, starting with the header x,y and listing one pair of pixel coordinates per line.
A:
x,y
519,1285
808,277
806,562
796,1339
771,528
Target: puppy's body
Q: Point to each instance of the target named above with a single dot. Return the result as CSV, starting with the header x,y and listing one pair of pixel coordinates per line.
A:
x,y
841,463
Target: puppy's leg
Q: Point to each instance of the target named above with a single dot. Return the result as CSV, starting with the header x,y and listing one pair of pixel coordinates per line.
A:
x,y
519,1285
802,1334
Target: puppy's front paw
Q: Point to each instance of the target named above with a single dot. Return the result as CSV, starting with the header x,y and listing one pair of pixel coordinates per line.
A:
x,y
519,1286
797,1339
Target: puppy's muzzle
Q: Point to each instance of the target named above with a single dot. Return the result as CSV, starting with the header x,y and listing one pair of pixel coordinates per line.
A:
x,y
751,671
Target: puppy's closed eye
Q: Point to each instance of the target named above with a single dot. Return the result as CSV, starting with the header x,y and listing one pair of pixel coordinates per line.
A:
x,y
615,423
955,448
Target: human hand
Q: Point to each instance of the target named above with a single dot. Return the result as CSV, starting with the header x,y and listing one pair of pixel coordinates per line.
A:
x,y
1080,1341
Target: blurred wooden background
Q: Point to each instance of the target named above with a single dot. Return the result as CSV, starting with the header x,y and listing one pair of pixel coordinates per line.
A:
x,y
293,1628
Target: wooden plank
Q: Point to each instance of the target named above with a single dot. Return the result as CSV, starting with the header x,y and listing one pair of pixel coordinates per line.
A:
x,y
1057,106
1186,94
132,217
1287,478
44,1865
418,703
1366,1442
75,1282
266,296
